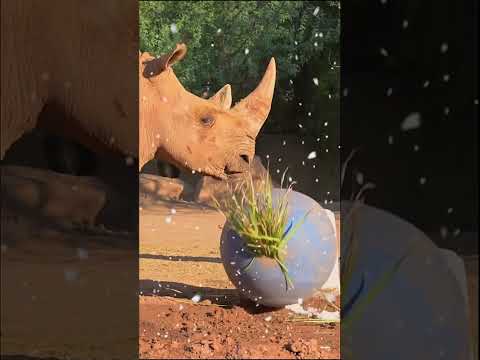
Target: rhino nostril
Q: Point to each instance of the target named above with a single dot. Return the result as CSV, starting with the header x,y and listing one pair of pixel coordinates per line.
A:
x,y
245,158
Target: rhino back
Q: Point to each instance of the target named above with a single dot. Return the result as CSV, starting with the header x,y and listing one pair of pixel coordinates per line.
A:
x,y
51,53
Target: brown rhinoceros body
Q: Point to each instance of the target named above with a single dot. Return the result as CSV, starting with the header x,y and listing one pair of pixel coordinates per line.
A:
x,y
50,59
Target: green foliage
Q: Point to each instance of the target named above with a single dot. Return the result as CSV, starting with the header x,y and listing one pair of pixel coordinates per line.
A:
x,y
217,34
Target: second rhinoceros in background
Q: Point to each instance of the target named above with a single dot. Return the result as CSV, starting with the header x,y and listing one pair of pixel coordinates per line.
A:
x,y
202,135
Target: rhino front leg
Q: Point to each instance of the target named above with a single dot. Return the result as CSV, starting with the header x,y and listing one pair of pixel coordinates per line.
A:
x,y
167,170
68,157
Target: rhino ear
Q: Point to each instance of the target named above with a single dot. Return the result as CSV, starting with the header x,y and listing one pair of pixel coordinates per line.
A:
x,y
223,97
155,66
176,55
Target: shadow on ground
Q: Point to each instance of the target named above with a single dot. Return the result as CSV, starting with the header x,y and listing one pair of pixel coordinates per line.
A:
x,y
227,298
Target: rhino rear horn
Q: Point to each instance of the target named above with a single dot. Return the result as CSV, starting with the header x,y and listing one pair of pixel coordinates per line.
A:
x,y
256,106
223,97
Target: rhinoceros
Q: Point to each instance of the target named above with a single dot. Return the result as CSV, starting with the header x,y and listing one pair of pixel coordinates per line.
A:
x,y
207,136
51,63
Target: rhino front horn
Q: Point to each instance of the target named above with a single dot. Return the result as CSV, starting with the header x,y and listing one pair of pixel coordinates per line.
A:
x,y
256,106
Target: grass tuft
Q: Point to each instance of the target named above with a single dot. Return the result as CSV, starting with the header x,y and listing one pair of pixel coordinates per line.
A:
x,y
262,223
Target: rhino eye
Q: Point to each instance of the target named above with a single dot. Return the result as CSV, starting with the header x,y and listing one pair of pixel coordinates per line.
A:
x,y
207,121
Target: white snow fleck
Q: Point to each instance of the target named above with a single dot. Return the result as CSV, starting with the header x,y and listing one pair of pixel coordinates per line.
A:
x,y
405,23
296,57
82,253
300,126
316,11
309,113
315,44
449,210
345,92
212,45
70,275
129,160
196,298
389,91
446,110
164,99
443,232
384,52
219,31
300,301
284,143
296,42
300,104
456,232
359,178
444,47
312,155
315,81
290,179
412,121
329,96
268,318
390,139
325,123
321,34
426,83
423,180
416,148
173,28
247,50
168,219
173,211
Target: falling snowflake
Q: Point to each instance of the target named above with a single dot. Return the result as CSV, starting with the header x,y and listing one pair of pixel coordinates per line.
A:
x,y
329,96
315,44
82,253
309,113
296,57
446,77
316,11
315,81
423,180
389,91
443,232
173,28
219,31
168,219
345,92
300,104
325,123
359,178
405,23
390,139
412,121
196,298
312,155
450,210
212,45
384,52
70,275
247,50
416,148
268,318
426,83
129,160
321,34
300,126
173,211
444,47
446,111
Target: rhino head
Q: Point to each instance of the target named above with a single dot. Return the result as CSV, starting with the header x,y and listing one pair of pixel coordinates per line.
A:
x,y
203,135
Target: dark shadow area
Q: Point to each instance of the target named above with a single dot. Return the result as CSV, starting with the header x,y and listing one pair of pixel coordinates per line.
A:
x,y
223,297
182,258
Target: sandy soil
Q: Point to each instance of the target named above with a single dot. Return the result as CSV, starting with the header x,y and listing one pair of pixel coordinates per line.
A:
x,y
179,258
